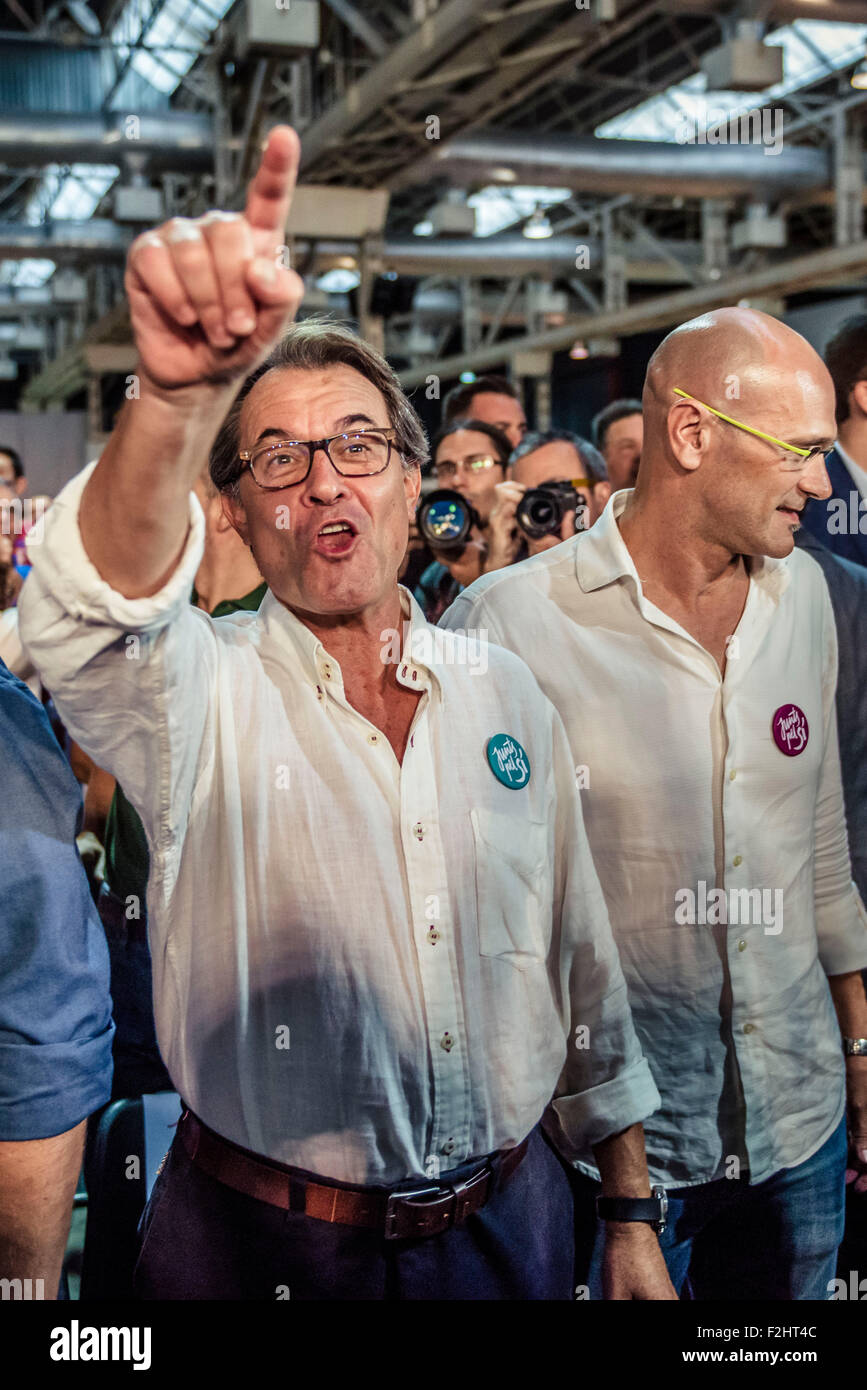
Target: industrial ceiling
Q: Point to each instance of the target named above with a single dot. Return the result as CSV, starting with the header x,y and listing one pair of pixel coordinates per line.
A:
x,y
485,181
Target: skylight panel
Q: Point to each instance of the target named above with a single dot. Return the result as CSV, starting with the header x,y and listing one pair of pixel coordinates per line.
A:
x,y
498,207
661,117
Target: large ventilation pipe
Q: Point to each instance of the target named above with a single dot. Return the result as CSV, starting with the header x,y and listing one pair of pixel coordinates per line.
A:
x,y
496,256
64,241
177,140
647,167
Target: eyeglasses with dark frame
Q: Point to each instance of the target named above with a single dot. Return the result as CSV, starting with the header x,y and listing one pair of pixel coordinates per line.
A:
x,y
282,463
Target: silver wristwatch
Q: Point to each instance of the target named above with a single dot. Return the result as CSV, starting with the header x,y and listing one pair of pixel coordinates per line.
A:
x,y
855,1047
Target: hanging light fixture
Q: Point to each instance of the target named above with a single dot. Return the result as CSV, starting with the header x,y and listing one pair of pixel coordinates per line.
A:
x,y
538,226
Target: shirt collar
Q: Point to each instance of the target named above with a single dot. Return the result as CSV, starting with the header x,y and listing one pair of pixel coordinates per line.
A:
x,y
853,468
601,555
420,653
249,603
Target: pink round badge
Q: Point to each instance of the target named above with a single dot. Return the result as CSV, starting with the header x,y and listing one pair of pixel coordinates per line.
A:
x,y
790,730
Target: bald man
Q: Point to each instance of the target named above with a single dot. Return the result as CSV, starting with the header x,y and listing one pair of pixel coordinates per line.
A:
x,y
692,655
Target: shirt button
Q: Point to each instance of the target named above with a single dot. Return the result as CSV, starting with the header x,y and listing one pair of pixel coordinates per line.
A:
x,y
320,693
732,775
433,936
448,1147
418,830
749,1027
447,1042
742,945
738,860
373,738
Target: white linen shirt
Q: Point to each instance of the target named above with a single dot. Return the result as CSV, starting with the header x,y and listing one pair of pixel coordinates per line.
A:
x,y
364,969
684,785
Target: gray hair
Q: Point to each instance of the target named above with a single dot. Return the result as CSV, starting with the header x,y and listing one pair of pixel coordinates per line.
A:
x,y
309,346
591,460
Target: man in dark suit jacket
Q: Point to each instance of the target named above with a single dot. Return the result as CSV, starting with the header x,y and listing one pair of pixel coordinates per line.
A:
x,y
847,585
840,523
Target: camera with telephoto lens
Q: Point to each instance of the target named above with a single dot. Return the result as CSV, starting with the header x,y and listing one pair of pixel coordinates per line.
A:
x,y
445,519
542,509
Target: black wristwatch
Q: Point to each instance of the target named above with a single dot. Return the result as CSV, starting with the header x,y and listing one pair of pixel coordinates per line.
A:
x,y
653,1209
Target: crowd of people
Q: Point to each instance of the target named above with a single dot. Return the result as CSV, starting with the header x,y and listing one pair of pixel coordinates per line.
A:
x,y
536,977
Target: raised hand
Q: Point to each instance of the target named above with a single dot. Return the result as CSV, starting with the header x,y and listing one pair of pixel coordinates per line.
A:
x,y
209,296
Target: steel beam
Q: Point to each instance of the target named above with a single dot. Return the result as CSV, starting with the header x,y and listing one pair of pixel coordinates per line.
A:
x,y
838,265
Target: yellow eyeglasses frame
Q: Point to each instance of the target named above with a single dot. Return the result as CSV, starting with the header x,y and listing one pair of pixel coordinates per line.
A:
x,y
739,424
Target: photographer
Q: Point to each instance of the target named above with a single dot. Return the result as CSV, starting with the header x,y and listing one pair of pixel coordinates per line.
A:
x,y
470,458
543,460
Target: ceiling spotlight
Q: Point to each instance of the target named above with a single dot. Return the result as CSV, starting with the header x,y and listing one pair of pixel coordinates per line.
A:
x,y
501,174
467,377
858,80
538,226
578,350
339,280
424,228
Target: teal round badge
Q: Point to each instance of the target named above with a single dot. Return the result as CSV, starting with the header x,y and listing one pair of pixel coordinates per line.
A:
x,y
508,760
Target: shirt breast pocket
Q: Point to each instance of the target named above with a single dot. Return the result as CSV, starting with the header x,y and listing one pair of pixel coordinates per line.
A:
x,y
513,898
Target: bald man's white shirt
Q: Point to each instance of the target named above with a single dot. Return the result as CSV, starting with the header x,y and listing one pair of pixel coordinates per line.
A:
x,y
686,786
365,969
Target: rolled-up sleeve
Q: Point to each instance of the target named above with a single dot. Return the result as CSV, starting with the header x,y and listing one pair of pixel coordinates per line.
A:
x,y
55,1010
130,677
841,920
606,1084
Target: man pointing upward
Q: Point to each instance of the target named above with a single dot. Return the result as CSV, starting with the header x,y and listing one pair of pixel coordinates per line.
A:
x,y
374,920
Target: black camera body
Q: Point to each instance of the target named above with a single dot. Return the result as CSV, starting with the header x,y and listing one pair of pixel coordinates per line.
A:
x,y
445,520
542,509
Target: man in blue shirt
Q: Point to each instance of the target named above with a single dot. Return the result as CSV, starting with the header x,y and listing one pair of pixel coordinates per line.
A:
x,y
55,1009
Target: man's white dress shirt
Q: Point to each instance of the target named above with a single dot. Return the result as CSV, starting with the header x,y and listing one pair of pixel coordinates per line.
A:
x,y
364,969
685,788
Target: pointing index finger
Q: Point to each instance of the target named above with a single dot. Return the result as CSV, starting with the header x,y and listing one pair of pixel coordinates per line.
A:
x,y
269,195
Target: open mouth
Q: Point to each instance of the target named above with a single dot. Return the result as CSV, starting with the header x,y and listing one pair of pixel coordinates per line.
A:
x,y
335,538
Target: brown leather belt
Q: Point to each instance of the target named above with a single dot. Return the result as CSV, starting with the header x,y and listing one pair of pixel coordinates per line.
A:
x,y
408,1215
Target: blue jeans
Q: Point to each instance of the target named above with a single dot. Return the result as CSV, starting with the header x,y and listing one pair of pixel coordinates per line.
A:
x,y
726,1240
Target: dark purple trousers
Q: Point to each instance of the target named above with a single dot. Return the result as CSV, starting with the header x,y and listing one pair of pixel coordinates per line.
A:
x,y
203,1240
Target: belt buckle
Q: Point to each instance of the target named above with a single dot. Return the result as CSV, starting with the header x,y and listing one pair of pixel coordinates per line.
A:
x,y
402,1210
461,1189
